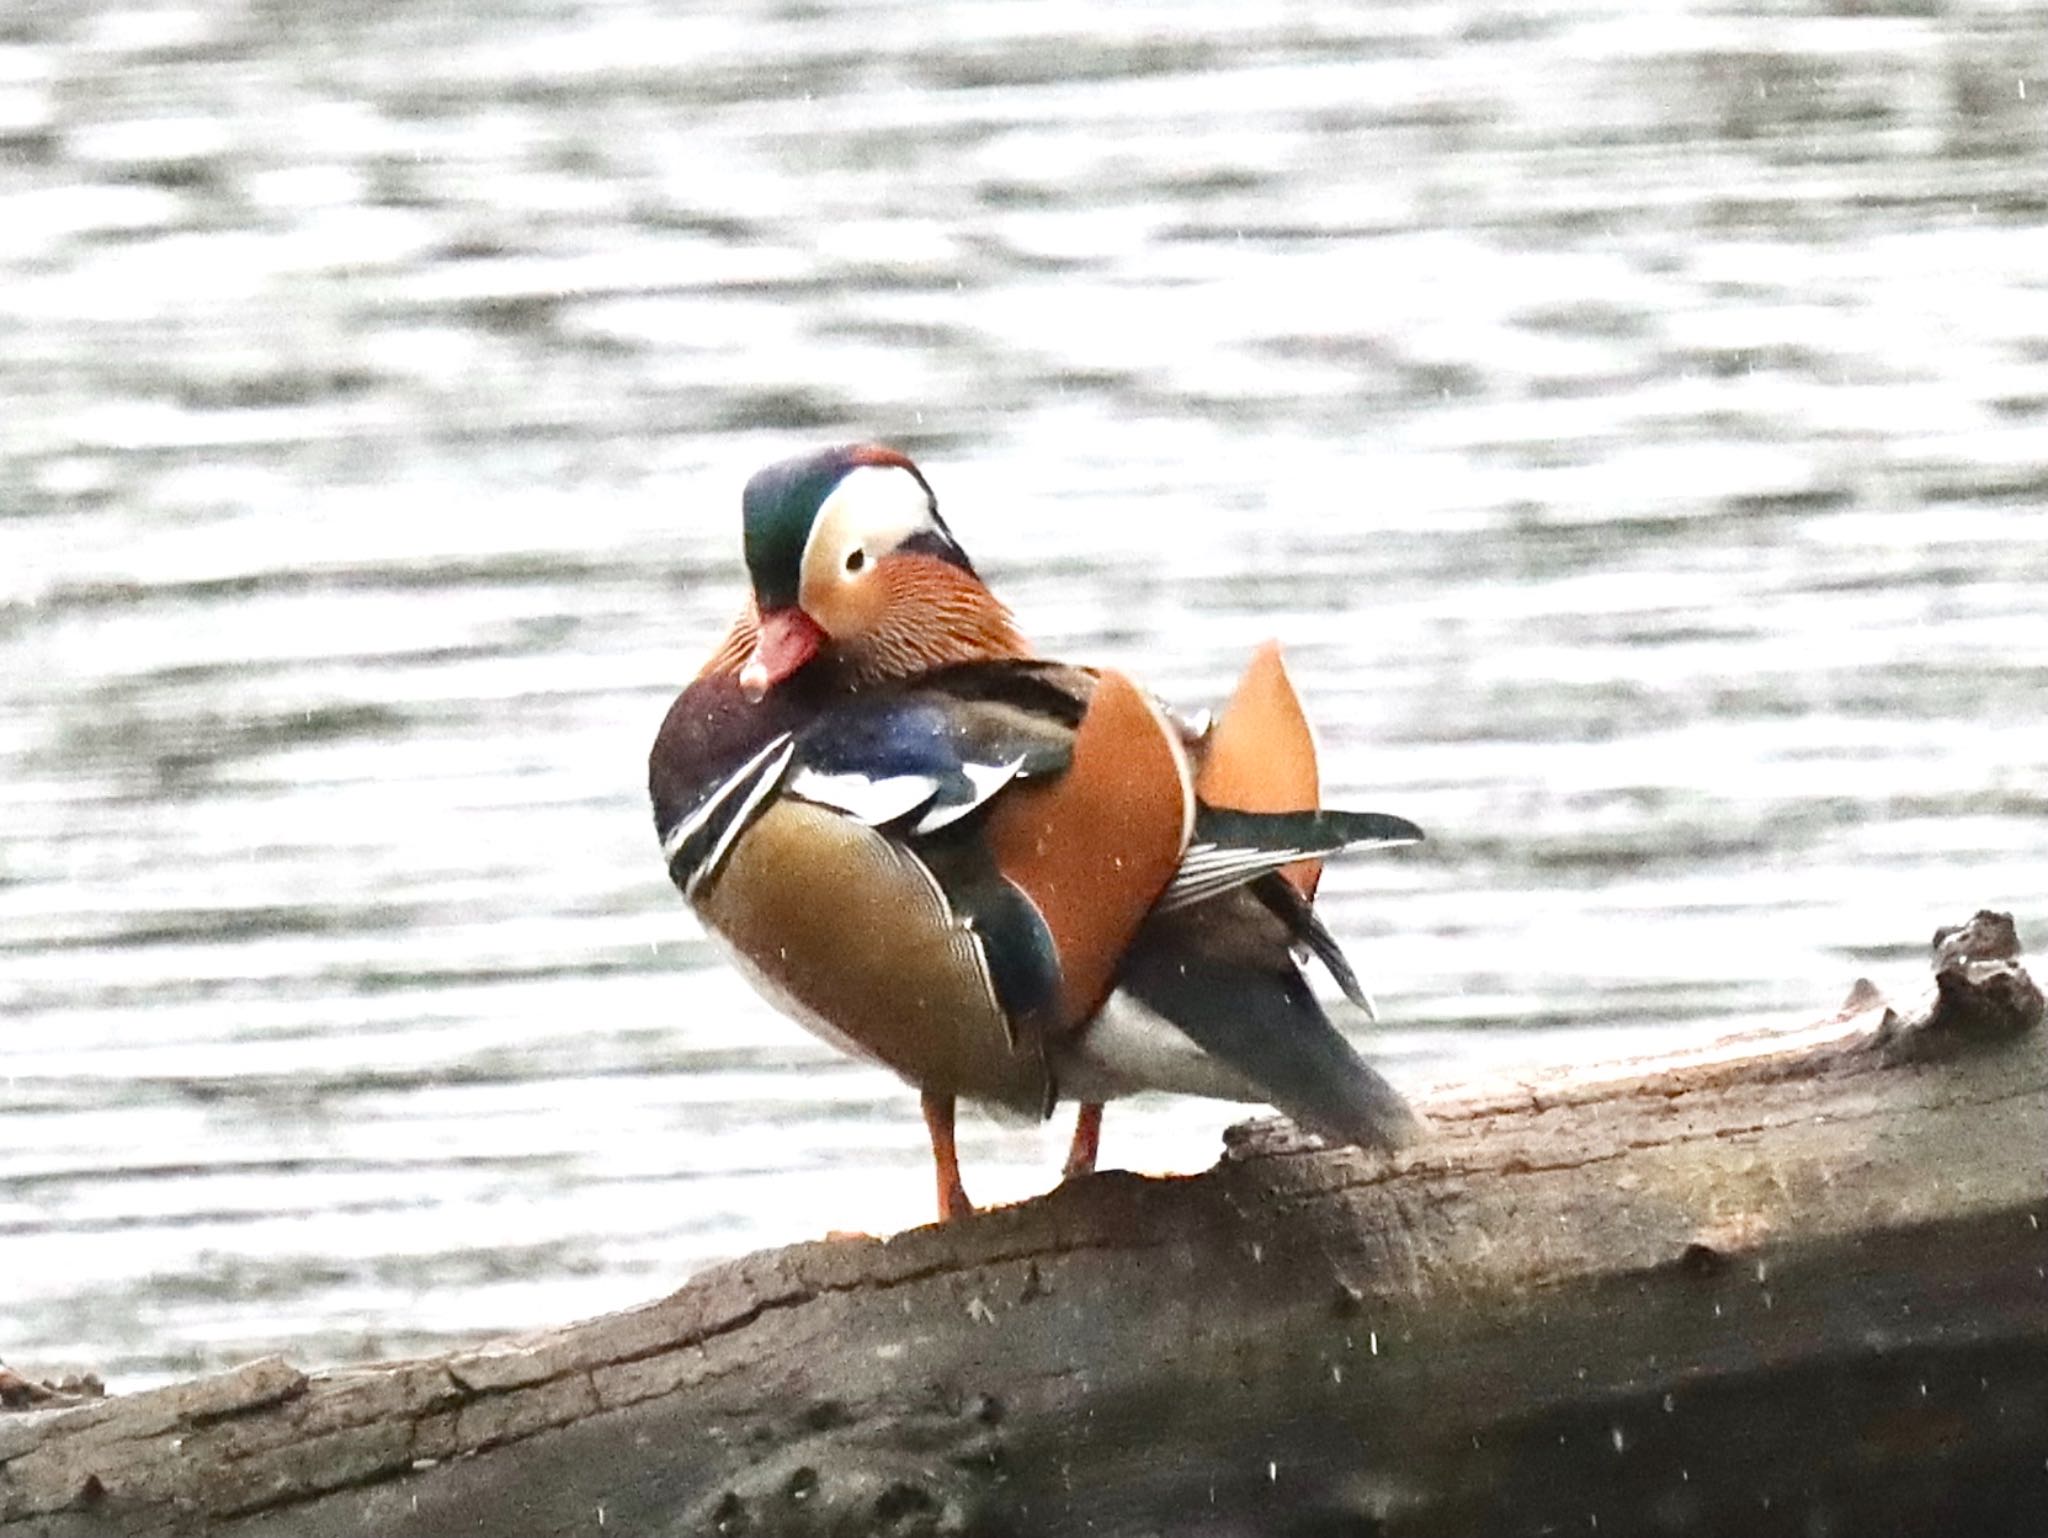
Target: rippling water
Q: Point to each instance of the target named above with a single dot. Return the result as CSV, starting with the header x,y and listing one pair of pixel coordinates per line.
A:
x,y
1632,420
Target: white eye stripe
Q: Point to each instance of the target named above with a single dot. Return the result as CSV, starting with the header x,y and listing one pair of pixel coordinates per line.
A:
x,y
872,510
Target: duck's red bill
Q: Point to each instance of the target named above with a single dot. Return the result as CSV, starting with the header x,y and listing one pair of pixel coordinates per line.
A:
x,y
789,638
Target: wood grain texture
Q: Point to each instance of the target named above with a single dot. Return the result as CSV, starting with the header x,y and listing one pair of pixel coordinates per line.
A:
x,y
1793,1283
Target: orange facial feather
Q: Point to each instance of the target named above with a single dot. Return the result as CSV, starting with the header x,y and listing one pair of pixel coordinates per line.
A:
x,y
915,613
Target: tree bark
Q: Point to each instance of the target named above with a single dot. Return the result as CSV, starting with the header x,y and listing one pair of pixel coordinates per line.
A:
x,y
1793,1283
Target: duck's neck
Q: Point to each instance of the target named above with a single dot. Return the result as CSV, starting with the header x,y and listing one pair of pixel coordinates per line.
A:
x,y
950,624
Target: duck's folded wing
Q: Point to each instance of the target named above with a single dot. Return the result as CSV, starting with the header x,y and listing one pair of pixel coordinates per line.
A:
x,y
1052,807
922,758
1231,848
1222,975
1216,962
1310,936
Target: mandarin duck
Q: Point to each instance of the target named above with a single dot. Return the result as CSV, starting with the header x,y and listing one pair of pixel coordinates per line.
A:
x,y
1004,878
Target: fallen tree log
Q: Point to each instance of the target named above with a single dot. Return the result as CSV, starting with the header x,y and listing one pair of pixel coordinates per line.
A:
x,y
1793,1283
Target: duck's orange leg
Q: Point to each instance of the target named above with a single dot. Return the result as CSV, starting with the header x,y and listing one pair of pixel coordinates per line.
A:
x,y
1087,1142
938,1121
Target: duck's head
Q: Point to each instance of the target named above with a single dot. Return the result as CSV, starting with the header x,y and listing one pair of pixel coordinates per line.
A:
x,y
850,560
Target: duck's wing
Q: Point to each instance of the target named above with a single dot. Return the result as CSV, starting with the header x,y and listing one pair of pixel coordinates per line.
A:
x,y
920,760
1217,962
1053,807
1231,848
1223,975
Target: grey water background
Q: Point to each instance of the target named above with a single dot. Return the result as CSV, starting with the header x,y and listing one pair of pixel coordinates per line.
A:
x,y
1633,419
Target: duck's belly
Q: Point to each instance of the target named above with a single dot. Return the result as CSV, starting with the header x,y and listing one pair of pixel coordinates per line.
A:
x,y
1127,1049
845,932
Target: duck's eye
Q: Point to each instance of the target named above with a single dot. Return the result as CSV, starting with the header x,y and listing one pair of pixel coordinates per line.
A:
x,y
857,559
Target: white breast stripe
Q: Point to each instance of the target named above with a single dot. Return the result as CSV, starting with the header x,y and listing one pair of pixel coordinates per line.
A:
x,y
762,788
707,809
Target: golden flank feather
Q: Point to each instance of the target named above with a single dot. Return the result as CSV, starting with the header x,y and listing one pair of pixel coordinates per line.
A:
x,y
1094,849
